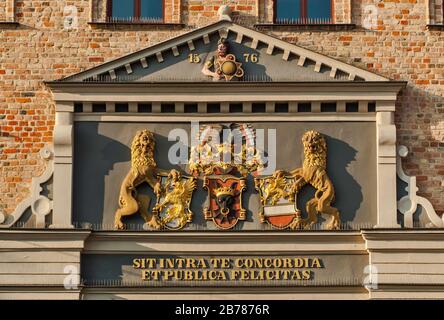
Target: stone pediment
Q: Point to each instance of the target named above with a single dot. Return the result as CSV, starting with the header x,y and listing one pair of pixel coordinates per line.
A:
x,y
262,58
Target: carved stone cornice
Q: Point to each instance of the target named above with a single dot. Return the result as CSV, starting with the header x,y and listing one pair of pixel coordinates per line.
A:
x,y
228,242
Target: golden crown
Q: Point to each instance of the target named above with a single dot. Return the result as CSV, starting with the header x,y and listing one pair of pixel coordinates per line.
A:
x,y
225,191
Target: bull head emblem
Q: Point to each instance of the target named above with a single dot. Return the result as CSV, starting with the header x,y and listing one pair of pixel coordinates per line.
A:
x,y
225,200
224,196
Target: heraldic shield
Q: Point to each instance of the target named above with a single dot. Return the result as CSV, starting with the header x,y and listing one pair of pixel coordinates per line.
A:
x,y
278,200
225,200
174,195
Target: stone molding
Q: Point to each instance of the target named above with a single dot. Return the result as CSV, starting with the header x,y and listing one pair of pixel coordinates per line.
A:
x,y
409,262
406,263
386,166
63,162
242,242
385,92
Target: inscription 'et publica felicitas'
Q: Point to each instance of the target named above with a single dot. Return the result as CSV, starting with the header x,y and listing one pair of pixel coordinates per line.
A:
x,y
224,275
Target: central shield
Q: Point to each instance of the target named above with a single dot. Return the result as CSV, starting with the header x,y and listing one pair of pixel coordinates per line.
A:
x,y
224,200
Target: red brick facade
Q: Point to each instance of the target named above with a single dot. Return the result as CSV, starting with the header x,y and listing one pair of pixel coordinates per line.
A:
x,y
401,46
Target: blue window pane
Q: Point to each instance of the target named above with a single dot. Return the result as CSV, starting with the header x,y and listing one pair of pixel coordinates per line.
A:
x,y
151,9
319,9
123,9
288,10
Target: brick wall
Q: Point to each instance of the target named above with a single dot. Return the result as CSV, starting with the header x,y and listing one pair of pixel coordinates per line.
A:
x,y
399,46
202,12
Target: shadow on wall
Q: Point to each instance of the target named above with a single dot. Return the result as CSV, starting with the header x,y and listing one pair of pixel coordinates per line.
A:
x,y
348,194
89,144
419,119
95,189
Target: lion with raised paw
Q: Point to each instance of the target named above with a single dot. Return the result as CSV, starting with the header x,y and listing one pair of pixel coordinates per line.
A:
x,y
314,172
143,169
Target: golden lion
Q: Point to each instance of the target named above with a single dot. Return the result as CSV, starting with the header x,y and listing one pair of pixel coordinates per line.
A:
x,y
314,172
176,199
276,189
143,169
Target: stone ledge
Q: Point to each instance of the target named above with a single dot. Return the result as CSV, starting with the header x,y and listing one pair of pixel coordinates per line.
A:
x,y
435,27
9,24
120,24
345,242
306,27
347,293
404,240
407,291
403,234
38,292
35,235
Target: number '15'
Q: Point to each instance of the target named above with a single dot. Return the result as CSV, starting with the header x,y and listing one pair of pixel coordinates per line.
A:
x,y
193,58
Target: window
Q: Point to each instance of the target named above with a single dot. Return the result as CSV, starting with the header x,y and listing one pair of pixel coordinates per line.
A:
x,y
7,11
135,10
303,11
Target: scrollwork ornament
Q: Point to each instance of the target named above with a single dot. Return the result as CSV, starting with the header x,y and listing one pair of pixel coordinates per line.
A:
x,y
40,204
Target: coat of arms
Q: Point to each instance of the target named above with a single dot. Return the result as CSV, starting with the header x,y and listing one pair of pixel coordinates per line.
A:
x,y
278,200
174,195
225,155
278,192
225,200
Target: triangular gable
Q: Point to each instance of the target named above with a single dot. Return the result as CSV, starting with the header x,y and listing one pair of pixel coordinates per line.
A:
x,y
263,58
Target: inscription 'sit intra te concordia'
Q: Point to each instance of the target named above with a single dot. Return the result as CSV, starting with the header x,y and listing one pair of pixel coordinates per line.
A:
x,y
227,269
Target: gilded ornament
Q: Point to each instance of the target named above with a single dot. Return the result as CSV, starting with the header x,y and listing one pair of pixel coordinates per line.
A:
x,y
143,169
225,206
173,200
314,173
278,192
223,65
211,156
277,199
